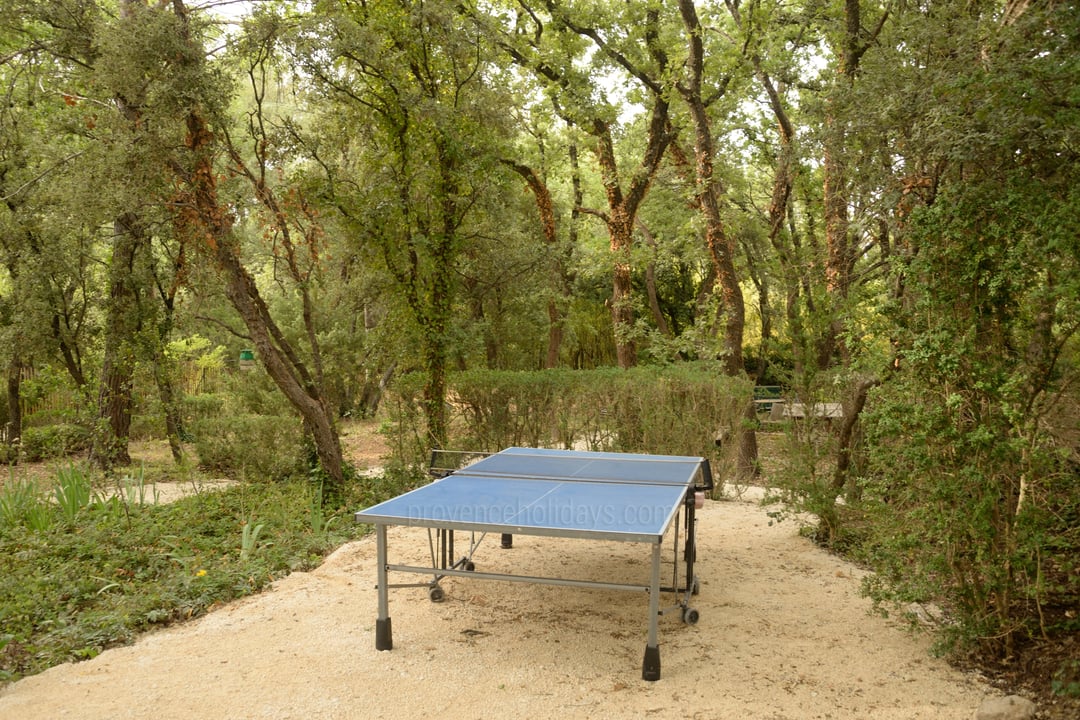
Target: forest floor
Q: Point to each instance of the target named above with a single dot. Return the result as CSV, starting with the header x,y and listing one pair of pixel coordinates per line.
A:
x,y
784,634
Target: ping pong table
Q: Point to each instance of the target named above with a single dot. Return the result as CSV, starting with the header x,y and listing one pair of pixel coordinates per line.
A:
x,y
623,497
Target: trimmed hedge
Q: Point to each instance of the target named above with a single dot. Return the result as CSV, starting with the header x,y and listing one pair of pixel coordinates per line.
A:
x,y
676,409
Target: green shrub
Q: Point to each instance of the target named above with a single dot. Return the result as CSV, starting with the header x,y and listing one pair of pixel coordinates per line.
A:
x,y
203,405
965,510
404,430
53,441
675,409
145,426
252,447
496,409
255,393
1066,679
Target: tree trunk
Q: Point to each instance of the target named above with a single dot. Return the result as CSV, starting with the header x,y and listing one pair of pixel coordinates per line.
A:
x,y
118,368
623,208
114,411
839,253
164,368
837,274
434,339
565,276
555,335
205,221
122,322
282,365
721,247
170,407
622,308
435,399
779,206
439,308
72,361
650,286
372,392
545,208
14,402
846,436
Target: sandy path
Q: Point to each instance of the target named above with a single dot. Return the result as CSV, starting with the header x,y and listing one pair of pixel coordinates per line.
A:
x,y
783,635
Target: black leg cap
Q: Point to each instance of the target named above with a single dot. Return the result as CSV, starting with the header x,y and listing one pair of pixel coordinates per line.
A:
x,y
650,669
384,636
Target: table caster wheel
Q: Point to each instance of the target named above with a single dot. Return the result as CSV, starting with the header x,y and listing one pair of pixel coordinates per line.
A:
x,y
436,594
696,587
469,566
690,616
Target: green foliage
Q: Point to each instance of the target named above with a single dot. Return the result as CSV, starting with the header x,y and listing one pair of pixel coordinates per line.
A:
x,y
255,393
53,441
253,447
249,538
967,490
72,491
21,505
45,384
961,491
317,511
203,353
203,405
958,139
67,595
246,430
134,490
676,409
1066,679
395,479
803,482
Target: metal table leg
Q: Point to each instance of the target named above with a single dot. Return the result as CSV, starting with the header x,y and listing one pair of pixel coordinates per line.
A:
x,y
650,668
384,636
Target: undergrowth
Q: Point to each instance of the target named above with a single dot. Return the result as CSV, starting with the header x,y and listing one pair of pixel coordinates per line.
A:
x,y
90,572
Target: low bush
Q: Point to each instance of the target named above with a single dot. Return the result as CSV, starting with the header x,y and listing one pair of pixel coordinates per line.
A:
x,y
147,426
253,447
53,441
202,406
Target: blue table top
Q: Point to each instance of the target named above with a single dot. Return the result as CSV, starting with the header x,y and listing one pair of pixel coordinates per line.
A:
x,y
629,468
551,492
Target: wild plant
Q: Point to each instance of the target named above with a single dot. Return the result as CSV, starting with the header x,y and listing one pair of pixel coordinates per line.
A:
x,y
73,491
249,536
21,504
135,489
317,513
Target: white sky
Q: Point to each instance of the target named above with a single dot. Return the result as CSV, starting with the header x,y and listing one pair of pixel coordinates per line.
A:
x,y
228,9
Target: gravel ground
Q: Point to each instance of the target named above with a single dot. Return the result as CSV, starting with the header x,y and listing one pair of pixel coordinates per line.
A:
x,y
783,635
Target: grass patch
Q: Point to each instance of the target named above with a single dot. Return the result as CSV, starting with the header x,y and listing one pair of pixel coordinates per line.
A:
x,y
94,573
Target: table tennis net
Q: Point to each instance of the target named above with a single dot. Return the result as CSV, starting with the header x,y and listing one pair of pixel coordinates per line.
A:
x,y
446,462
542,464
